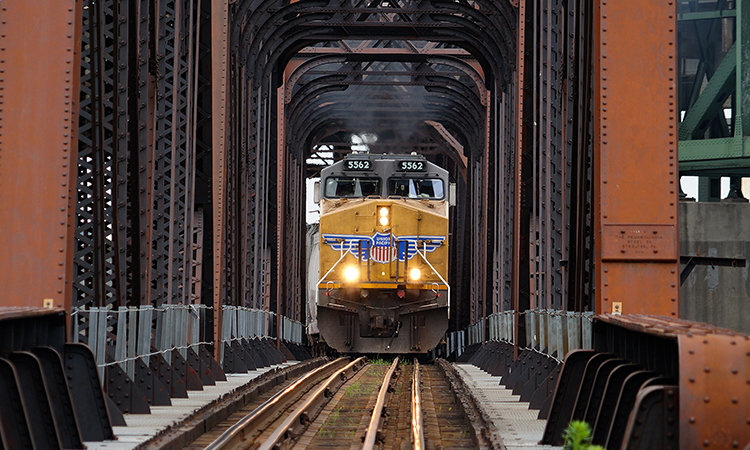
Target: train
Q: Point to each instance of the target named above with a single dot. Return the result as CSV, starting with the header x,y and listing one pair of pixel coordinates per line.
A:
x,y
383,254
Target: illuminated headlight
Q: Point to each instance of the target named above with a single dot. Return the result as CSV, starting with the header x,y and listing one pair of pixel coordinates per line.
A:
x,y
415,274
351,274
383,216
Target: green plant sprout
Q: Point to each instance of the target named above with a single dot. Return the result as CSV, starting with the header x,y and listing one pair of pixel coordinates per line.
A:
x,y
578,437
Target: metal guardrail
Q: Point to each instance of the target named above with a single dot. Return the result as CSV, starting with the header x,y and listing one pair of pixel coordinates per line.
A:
x,y
558,331
501,326
455,341
475,332
554,330
136,331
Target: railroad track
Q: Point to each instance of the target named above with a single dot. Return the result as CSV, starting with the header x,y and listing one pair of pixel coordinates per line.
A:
x,y
353,405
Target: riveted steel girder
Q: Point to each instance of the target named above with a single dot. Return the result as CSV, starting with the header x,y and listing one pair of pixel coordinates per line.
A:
x,y
637,251
39,81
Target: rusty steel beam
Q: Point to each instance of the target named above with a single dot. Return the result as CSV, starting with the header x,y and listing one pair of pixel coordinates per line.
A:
x,y
219,75
714,368
39,85
315,51
454,149
702,369
281,160
635,152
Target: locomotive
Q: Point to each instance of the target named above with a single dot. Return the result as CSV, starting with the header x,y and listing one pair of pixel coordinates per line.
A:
x,y
383,264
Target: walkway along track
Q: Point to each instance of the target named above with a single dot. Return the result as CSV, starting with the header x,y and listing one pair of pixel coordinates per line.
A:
x,y
347,405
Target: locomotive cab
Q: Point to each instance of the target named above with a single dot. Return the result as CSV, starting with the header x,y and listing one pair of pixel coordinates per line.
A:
x,y
383,254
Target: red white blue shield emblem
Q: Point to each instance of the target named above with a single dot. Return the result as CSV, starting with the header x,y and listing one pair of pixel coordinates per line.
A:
x,y
381,249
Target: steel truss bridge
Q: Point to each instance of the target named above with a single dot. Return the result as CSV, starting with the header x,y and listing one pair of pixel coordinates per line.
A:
x,y
154,154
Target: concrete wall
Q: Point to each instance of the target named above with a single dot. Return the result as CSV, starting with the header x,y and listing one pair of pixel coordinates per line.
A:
x,y
719,295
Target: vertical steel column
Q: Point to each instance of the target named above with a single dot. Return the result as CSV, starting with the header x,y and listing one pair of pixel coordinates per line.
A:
x,y
579,132
39,87
184,101
475,273
219,69
484,226
636,159
742,80
521,143
538,33
166,22
100,258
141,107
120,194
280,206
548,235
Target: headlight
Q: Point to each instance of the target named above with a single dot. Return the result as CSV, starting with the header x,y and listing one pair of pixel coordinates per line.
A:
x,y
351,273
384,216
415,274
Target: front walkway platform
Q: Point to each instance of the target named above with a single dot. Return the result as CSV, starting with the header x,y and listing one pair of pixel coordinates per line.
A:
x,y
517,425
144,427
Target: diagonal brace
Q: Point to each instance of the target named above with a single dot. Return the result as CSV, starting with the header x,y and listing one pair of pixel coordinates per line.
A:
x,y
711,101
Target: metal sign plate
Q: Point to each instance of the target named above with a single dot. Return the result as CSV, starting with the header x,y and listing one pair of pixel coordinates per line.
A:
x,y
639,242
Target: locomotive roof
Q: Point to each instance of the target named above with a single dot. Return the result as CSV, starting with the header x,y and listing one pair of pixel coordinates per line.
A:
x,y
385,156
384,165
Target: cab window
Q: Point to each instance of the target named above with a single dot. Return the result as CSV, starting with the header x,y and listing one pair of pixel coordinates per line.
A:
x,y
352,187
431,188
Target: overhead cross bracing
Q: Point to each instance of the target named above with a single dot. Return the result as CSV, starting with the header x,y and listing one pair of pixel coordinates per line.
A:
x,y
342,68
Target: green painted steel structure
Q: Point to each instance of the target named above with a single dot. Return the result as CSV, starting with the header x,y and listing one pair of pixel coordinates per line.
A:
x,y
710,144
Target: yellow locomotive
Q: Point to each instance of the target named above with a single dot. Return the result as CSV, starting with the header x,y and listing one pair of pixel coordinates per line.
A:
x,y
383,254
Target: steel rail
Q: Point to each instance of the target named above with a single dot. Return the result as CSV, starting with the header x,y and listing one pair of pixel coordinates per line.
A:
x,y
295,424
237,433
417,430
377,413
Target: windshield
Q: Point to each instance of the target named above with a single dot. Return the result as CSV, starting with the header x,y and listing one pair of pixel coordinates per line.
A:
x,y
416,187
337,187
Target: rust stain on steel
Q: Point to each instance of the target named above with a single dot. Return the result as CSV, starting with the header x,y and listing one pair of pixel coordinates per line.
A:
x,y
219,56
636,153
13,313
662,325
714,379
39,84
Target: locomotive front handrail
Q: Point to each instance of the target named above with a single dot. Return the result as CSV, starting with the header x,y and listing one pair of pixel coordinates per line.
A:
x,y
424,257
343,254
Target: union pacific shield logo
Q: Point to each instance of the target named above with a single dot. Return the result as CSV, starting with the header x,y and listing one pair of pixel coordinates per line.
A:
x,y
382,247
